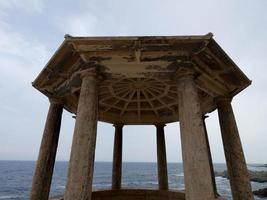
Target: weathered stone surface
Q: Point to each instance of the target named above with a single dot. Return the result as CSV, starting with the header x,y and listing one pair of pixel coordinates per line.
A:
x,y
198,178
235,160
47,154
81,166
256,176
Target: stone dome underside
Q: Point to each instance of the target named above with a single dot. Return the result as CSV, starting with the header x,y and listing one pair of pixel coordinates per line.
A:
x,y
138,99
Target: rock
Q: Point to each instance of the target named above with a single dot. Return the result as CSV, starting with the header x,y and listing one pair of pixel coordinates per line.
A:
x,y
264,165
223,174
256,176
261,192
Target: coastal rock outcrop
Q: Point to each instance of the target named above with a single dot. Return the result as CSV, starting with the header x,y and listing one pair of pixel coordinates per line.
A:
x,y
264,165
256,176
261,192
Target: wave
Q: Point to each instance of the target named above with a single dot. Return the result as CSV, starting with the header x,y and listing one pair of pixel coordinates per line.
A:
x,y
178,175
10,197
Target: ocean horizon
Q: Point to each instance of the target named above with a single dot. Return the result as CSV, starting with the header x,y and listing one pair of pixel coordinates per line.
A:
x,y
16,177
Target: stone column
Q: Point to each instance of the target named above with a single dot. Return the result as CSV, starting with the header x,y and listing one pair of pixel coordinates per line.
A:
x,y
161,158
117,157
81,166
210,157
197,174
45,164
235,160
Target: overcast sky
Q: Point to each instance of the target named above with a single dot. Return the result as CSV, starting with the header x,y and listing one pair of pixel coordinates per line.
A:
x,y
31,31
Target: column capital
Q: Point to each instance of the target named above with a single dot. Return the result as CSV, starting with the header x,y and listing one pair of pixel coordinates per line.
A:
x,y
160,125
88,72
54,100
223,99
91,72
118,125
183,73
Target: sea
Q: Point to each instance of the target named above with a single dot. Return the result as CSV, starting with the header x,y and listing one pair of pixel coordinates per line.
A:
x,y
16,177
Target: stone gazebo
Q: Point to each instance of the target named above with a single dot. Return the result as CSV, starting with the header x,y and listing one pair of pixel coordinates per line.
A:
x,y
141,81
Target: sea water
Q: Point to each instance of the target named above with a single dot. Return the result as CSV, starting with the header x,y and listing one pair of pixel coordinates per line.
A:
x,y
16,177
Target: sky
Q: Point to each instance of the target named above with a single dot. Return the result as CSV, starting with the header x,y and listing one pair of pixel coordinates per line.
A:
x,y
32,30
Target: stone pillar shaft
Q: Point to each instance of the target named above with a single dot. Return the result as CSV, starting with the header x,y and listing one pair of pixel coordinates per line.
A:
x,y
47,154
210,158
81,166
236,164
197,174
161,158
117,157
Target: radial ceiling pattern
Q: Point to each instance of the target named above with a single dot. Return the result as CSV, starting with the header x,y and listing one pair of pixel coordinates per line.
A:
x,y
138,99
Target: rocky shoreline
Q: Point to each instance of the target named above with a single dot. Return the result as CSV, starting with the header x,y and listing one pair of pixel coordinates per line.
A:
x,y
255,176
261,192
263,165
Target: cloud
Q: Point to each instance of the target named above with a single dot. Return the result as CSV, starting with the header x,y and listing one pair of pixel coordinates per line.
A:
x,y
21,57
89,22
79,25
26,5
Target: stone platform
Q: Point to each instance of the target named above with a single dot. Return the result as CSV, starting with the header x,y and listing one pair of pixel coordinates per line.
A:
x,y
135,194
